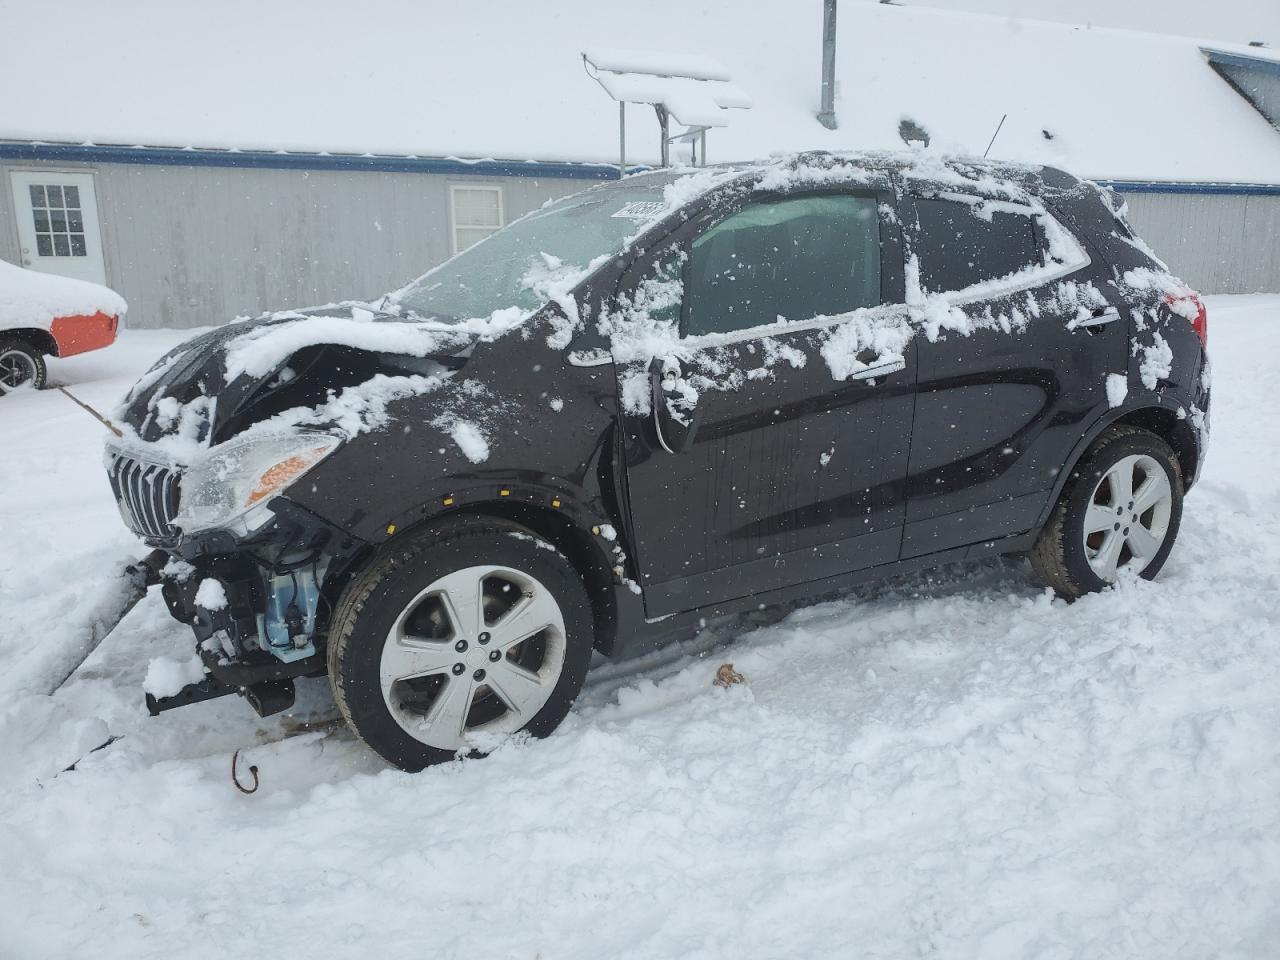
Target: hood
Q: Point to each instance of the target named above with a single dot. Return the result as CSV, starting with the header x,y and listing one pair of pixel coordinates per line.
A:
x,y
218,383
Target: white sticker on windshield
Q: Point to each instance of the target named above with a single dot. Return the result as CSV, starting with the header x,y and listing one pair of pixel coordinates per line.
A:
x,y
640,209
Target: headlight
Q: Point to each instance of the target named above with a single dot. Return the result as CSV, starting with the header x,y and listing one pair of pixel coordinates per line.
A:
x,y
231,484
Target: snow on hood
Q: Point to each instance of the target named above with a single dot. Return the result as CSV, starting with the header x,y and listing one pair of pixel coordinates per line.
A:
x,y
176,408
29,298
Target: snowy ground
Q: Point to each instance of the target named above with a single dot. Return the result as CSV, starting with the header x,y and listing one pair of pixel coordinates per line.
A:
x,y
951,766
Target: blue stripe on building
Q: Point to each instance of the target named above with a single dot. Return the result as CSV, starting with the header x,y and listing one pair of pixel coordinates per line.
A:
x,y
1204,189
280,160
192,157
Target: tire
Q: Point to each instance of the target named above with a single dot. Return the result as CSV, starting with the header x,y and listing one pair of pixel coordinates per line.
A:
x,y
21,365
1091,534
425,652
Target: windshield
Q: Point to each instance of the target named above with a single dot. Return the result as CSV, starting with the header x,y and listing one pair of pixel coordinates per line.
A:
x,y
495,273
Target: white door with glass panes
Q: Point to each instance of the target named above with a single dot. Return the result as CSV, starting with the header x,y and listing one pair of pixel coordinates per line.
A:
x,y
57,216
475,212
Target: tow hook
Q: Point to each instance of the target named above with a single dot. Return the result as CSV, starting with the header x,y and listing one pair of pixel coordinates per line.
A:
x,y
145,574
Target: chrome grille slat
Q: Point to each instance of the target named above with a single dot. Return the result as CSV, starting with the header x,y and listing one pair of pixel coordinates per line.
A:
x,y
148,484
148,494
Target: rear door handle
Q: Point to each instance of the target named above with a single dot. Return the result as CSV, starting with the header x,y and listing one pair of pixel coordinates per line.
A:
x,y
882,369
1100,319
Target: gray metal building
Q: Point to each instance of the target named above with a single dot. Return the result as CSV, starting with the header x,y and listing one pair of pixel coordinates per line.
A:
x,y
195,238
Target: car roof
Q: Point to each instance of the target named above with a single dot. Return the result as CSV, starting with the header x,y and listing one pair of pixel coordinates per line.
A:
x,y
922,169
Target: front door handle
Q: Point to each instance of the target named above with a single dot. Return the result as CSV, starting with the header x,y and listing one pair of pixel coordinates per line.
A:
x,y
1100,319
880,369
673,414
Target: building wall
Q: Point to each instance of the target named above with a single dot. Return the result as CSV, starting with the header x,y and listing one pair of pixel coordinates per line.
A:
x,y
191,246
1217,243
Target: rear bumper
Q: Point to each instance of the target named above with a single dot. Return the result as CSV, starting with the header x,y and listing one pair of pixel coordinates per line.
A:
x,y
81,334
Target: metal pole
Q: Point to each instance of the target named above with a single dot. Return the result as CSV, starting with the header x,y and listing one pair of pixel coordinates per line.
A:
x,y
662,123
827,115
622,139
703,138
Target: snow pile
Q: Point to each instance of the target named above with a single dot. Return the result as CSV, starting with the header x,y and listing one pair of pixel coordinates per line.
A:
x,y
168,675
1117,389
211,595
32,299
947,765
468,437
1157,362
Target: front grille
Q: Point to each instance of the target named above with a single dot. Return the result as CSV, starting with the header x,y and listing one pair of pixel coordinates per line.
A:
x,y
148,496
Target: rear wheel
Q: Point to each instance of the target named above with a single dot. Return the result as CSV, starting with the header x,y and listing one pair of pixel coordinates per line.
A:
x,y
1119,511
21,365
458,638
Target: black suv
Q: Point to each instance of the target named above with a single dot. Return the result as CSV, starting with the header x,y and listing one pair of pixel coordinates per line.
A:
x,y
674,397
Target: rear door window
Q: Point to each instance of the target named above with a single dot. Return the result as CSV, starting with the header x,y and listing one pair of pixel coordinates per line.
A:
x,y
960,244
785,260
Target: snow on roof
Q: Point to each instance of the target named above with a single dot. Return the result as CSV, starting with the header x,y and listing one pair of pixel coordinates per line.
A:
x,y
506,79
657,62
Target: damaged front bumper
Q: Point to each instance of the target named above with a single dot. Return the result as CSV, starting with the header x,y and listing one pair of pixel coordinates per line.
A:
x,y
258,608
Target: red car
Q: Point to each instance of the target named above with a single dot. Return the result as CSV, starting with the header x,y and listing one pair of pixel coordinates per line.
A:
x,y
46,315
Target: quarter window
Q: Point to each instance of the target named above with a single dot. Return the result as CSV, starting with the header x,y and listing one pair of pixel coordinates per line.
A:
x,y
786,260
959,246
59,220
476,212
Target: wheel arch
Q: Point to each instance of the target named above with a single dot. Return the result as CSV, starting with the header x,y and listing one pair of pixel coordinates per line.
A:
x,y
1176,432
1157,418
41,340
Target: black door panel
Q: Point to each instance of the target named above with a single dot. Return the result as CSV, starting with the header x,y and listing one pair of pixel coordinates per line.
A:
x,y
999,410
785,464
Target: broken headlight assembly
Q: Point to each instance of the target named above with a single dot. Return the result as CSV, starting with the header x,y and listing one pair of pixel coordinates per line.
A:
x,y
229,487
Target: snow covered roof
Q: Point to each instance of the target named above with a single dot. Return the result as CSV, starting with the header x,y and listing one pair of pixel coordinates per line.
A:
x,y
505,79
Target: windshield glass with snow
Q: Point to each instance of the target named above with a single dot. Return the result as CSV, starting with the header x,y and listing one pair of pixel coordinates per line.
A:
x,y
499,272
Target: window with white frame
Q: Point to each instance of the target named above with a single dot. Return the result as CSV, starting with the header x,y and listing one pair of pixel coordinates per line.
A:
x,y
476,212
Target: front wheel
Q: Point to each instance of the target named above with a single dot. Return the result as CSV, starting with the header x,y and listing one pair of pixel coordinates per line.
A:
x,y
1119,511
457,638
21,365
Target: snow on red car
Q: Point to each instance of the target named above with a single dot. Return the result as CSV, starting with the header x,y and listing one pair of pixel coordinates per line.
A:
x,y
46,315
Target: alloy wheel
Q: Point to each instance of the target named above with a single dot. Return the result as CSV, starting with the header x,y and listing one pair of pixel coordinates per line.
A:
x,y
1127,519
479,651
16,369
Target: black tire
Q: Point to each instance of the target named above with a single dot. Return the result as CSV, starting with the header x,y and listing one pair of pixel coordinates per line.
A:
x,y
21,365
1060,557
373,604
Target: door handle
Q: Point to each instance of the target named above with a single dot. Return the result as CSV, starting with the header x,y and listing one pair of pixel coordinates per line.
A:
x,y
673,415
1099,319
881,369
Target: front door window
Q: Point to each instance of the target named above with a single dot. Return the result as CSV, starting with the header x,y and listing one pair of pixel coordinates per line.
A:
x,y
789,260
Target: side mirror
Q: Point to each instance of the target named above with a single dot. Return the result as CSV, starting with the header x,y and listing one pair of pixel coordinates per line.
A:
x,y
675,405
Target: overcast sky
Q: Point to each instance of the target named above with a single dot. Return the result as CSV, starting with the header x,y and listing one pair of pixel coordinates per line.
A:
x,y
1236,20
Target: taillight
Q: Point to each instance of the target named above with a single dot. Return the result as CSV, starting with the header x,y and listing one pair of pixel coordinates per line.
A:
x,y
1190,305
